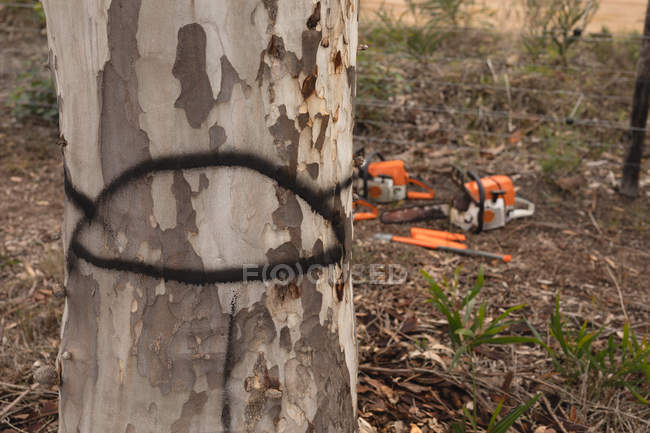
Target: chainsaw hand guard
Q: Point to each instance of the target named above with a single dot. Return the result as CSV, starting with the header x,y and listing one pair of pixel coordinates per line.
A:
x,y
365,216
418,195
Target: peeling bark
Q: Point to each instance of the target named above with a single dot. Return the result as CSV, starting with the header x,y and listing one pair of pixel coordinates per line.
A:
x,y
208,214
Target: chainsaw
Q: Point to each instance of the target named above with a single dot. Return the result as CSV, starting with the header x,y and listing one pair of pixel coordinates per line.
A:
x,y
486,204
388,181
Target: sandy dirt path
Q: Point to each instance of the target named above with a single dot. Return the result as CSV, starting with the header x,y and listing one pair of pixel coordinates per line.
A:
x,y
617,15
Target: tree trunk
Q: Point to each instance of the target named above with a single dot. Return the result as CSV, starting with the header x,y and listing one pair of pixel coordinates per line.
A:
x,y
208,214
639,119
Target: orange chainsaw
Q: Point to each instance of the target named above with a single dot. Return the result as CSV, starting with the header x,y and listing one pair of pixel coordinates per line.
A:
x,y
388,181
486,204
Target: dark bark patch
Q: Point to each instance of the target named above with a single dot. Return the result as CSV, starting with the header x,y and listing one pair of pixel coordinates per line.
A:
x,y
177,251
352,77
314,19
80,339
190,69
254,327
217,137
303,120
257,385
285,339
285,253
339,288
324,122
229,77
271,7
154,360
129,428
308,86
276,47
288,214
264,71
192,407
338,63
123,18
204,182
318,247
310,42
122,142
312,169
292,63
329,370
287,138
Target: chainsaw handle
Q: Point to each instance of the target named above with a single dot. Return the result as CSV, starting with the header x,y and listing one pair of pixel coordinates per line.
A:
x,y
365,216
364,170
418,195
527,210
481,199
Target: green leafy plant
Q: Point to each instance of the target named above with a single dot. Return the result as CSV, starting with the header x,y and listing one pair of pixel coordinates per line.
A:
x,y
34,95
406,33
467,325
468,328
556,24
451,13
561,152
37,7
615,363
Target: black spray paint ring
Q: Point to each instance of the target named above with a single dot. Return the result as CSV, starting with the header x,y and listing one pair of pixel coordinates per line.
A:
x,y
317,201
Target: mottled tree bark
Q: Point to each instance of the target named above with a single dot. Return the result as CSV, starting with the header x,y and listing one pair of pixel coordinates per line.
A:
x,y
208,163
639,118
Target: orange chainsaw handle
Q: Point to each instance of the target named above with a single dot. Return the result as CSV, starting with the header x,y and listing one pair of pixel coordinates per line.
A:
x,y
365,216
457,237
417,195
428,242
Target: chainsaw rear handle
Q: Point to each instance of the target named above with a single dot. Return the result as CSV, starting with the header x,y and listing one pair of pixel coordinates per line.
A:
x,y
364,170
365,216
419,195
527,209
481,199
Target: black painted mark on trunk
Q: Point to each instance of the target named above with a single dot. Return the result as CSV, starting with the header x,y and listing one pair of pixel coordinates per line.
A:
x,y
190,69
320,202
228,365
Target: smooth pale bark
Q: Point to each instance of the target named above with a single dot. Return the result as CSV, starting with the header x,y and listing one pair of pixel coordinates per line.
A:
x,y
204,136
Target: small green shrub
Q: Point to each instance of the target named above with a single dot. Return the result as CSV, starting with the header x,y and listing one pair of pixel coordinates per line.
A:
x,y
451,13
406,33
466,322
468,328
34,95
560,152
611,363
36,6
555,26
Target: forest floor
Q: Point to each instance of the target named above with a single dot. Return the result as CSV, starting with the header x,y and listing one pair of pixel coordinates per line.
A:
x,y
584,240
